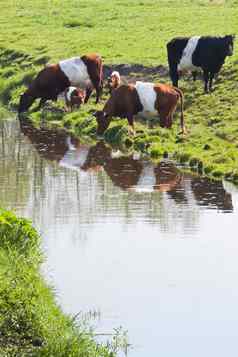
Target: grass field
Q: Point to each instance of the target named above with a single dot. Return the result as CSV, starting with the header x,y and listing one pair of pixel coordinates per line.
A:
x,y
37,32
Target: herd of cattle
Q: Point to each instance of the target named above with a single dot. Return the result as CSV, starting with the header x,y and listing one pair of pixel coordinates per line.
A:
x,y
78,76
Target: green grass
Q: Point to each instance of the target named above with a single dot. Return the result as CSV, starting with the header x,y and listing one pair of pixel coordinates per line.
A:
x,y
36,32
31,324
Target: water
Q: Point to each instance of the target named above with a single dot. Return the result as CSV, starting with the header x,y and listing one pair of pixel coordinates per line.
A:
x,y
152,249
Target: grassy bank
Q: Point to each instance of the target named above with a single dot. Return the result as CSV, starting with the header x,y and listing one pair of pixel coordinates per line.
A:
x,y
30,322
130,32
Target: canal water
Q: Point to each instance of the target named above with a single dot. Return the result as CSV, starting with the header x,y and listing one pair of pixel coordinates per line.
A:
x,y
134,244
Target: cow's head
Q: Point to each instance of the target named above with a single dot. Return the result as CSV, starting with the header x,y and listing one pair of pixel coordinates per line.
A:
x,y
103,121
229,44
116,78
26,101
78,97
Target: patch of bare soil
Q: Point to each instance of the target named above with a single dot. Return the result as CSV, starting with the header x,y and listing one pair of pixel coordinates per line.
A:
x,y
130,73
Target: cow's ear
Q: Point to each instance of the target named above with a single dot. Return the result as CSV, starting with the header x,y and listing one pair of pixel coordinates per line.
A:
x,y
81,91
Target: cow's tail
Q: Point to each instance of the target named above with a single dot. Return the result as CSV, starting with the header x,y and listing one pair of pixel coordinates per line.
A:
x,y
101,73
182,124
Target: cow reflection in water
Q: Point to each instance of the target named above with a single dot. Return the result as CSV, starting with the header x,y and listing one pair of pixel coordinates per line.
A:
x,y
211,194
127,172
51,144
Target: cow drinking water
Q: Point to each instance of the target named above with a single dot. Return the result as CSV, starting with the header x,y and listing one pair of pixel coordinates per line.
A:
x,y
129,100
84,72
198,52
74,97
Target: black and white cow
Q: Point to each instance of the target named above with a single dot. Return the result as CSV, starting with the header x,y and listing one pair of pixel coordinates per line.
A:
x,y
198,52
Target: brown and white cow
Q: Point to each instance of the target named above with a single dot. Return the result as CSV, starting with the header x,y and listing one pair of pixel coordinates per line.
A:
x,y
129,100
85,72
74,97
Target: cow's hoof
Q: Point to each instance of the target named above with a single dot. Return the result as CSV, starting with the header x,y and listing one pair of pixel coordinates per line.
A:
x,y
21,115
183,132
131,131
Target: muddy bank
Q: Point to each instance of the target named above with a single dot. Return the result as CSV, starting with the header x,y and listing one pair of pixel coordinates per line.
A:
x,y
134,72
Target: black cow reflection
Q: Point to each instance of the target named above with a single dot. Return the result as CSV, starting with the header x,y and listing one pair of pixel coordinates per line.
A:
x,y
210,193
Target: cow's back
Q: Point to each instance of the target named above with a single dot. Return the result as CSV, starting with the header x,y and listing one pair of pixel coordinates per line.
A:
x,y
93,62
47,81
123,100
166,95
186,62
209,53
175,48
76,71
147,95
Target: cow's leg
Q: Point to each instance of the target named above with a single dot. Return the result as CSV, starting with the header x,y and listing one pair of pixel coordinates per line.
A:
x,y
206,78
98,85
164,117
171,113
211,77
41,104
88,93
95,71
131,124
98,88
97,95
173,72
166,112
170,119
194,74
163,111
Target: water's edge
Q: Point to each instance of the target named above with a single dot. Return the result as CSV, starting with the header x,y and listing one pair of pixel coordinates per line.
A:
x,y
31,321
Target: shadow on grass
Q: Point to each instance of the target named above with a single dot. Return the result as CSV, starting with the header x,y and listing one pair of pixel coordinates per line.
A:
x,y
42,60
8,56
77,24
6,93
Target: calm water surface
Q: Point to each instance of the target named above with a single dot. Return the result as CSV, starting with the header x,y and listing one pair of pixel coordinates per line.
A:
x,y
153,250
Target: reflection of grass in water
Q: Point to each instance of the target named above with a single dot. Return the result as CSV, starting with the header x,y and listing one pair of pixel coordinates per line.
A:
x,y
130,32
31,323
